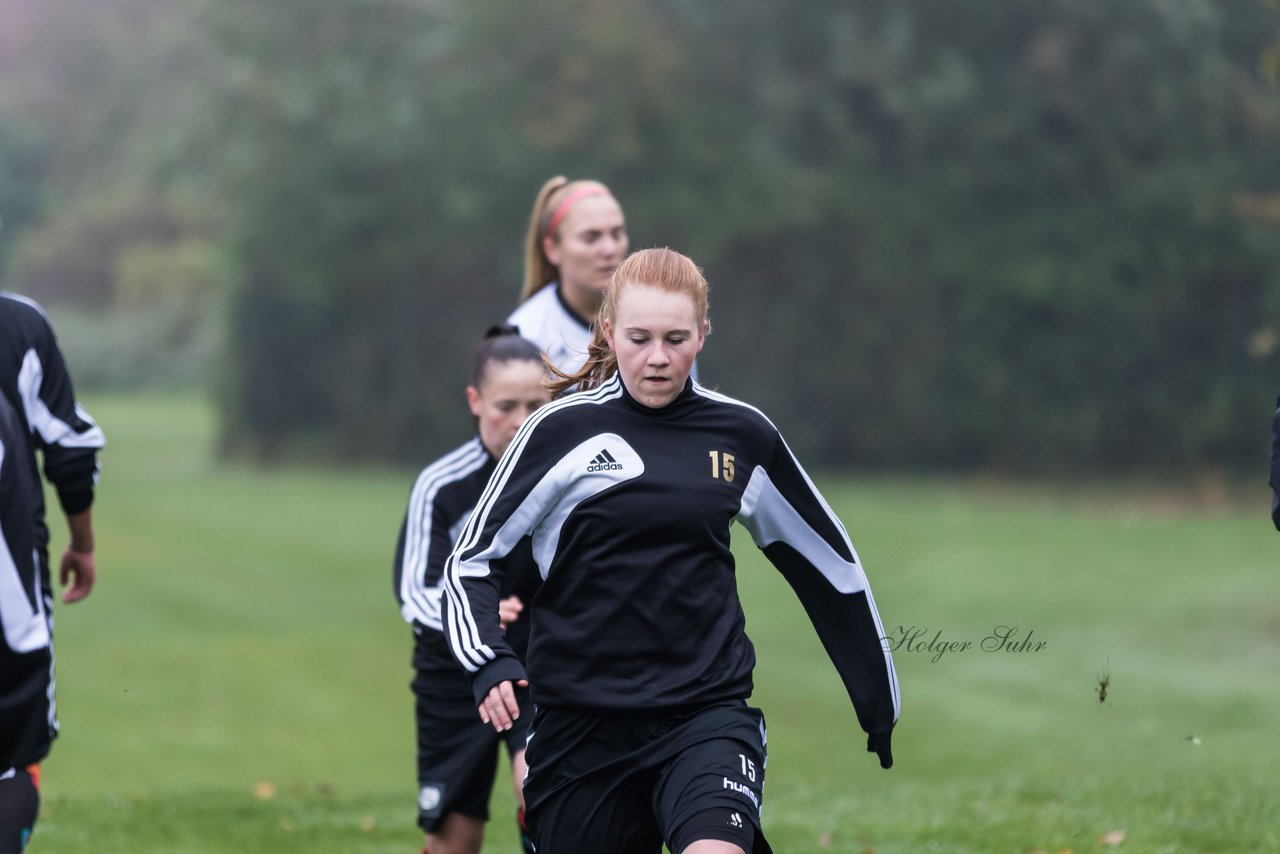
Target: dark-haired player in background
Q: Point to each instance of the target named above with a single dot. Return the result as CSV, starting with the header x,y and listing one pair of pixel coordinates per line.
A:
x,y
457,753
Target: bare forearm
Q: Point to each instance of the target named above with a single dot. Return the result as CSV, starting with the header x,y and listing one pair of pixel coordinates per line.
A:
x,y
80,526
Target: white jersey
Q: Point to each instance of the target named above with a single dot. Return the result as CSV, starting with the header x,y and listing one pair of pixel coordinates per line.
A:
x,y
546,320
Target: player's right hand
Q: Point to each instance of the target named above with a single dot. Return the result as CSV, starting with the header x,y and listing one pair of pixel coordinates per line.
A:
x,y
500,707
78,570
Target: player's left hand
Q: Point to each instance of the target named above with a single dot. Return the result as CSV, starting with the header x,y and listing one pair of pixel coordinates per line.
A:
x,y
509,609
77,570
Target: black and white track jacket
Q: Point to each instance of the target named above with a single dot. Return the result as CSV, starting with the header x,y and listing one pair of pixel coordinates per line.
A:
x,y
629,510
33,376
440,503
22,608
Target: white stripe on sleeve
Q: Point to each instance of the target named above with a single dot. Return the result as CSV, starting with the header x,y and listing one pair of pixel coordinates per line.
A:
x,y
53,430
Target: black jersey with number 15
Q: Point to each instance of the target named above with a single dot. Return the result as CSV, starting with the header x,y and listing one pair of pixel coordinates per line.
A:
x,y
629,509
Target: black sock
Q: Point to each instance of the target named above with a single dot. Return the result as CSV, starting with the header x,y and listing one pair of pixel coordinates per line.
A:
x,y
19,805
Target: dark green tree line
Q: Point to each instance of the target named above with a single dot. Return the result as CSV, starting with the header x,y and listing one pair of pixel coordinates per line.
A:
x,y
1029,236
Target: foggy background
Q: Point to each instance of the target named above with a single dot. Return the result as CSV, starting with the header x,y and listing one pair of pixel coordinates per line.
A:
x,y
1020,237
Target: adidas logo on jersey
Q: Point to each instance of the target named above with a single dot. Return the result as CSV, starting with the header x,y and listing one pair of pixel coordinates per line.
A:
x,y
604,461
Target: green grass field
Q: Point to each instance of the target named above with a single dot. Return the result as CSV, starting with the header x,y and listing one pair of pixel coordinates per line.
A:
x,y
238,680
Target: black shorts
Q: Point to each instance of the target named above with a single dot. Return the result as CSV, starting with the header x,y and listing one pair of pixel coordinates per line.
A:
x,y
626,784
27,722
28,716
457,752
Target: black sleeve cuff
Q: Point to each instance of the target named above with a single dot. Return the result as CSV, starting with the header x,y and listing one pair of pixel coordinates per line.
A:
x,y
498,670
879,744
75,501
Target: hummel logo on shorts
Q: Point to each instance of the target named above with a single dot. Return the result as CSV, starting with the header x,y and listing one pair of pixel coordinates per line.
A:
x,y
735,819
604,461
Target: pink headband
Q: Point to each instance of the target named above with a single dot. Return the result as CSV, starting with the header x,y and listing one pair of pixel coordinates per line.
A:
x,y
580,193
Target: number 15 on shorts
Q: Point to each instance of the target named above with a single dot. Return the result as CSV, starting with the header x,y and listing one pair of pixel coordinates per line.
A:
x,y
748,767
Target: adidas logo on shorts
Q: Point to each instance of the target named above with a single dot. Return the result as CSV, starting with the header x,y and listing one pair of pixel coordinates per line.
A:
x,y
604,461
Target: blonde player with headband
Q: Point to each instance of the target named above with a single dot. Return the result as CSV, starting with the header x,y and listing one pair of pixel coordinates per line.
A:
x,y
577,237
